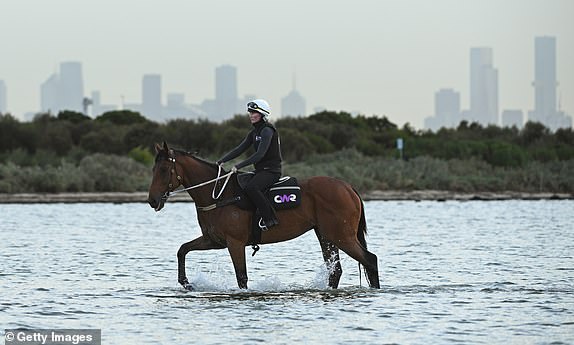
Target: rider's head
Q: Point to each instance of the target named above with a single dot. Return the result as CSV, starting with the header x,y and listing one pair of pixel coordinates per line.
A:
x,y
259,106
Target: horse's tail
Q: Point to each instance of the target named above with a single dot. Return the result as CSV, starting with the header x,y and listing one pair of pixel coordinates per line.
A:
x,y
362,230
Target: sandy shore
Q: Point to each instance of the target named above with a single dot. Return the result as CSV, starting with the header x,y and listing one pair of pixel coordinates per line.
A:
x,y
374,195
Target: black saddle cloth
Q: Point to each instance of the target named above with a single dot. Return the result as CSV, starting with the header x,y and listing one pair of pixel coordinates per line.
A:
x,y
282,195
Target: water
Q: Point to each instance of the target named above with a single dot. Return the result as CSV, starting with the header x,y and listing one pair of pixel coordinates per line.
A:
x,y
451,272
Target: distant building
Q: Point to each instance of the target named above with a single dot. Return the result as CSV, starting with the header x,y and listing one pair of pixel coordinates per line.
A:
x,y
175,100
293,104
151,106
176,108
446,110
97,107
512,118
49,95
3,98
63,90
71,86
545,86
483,87
226,102
447,107
545,83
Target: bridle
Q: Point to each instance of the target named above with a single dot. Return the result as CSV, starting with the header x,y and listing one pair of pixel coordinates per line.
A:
x,y
171,189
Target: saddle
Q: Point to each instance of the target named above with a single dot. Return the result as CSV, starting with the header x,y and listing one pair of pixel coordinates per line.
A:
x,y
282,195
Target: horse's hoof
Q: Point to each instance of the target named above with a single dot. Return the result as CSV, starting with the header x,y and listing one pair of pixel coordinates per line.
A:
x,y
186,284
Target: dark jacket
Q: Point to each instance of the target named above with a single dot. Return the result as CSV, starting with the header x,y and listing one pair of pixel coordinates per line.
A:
x,y
265,141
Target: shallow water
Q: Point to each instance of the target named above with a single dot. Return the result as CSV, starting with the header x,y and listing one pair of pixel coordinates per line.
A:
x,y
451,272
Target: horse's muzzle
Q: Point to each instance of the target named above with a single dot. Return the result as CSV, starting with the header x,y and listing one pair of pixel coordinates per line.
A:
x,y
156,203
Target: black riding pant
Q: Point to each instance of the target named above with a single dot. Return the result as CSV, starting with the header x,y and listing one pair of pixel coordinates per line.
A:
x,y
254,190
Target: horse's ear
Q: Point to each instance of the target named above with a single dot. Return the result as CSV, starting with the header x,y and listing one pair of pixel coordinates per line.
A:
x,y
158,148
165,147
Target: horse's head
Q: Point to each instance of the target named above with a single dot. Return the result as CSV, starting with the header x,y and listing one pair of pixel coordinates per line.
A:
x,y
164,179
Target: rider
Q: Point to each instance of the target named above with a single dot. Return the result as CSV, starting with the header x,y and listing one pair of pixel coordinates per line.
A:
x,y
266,159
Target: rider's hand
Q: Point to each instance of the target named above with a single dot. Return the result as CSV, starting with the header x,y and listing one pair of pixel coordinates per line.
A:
x,y
234,169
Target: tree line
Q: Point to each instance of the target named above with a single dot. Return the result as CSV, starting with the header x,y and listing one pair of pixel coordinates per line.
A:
x,y
70,137
119,132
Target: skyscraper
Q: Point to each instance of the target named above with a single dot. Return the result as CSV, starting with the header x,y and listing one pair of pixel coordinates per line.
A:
x,y
71,87
483,87
544,79
3,100
50,95
446,110
447,107
293,104
226,102
151,96
545,85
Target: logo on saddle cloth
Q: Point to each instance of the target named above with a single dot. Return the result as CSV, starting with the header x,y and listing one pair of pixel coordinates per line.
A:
x,y
281,198
285,194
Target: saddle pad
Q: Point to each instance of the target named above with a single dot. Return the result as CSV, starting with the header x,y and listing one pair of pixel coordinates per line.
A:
x,y
283,194
283,198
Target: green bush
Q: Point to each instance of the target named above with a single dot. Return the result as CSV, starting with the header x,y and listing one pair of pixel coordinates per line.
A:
x,y
141,155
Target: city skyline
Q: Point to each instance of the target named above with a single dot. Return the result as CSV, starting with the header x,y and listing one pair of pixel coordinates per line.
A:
x,y
484,96
377,58
63,90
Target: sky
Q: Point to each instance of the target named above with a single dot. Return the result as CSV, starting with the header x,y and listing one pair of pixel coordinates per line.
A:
x,y
380,57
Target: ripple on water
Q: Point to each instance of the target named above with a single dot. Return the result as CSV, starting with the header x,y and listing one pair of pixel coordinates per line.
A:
x,y
451,272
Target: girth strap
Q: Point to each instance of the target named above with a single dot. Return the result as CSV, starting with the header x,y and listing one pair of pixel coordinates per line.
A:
x,y
218,204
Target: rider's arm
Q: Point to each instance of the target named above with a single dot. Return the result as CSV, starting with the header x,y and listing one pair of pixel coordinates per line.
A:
x,y
266,136
245,144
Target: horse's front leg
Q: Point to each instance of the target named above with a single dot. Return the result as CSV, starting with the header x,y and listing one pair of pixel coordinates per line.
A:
x,y
200,243
237,252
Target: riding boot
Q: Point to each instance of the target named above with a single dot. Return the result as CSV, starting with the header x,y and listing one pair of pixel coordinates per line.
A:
x,y
263,208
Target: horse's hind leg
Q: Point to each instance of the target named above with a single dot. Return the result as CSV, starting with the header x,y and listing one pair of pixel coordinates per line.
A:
x,y
366,258
331,257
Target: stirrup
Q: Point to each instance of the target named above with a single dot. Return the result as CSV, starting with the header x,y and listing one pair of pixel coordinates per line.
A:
x,y
262,225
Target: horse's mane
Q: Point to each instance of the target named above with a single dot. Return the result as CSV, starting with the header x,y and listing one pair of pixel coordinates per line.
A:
x,y
164,155
194,156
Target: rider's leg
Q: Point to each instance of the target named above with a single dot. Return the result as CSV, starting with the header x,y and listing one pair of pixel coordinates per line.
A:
x,y
259,182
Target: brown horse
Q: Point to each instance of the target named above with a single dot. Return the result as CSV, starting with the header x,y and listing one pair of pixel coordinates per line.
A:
x,y
329,206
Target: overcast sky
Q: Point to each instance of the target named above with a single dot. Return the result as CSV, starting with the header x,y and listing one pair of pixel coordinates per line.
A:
x,y
383,57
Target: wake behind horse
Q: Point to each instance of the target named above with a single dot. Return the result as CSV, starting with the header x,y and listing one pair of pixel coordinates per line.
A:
x,y
332,208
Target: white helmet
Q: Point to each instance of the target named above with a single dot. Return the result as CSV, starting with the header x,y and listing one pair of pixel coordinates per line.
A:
x,y
259,105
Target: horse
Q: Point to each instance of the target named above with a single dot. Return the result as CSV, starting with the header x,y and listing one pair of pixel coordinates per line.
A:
x,y
331,207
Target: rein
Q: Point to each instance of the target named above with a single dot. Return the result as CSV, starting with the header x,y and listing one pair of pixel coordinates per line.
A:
x,y
219,177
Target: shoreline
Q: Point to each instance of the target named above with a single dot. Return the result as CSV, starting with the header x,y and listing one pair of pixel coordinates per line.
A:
x,y
387,195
